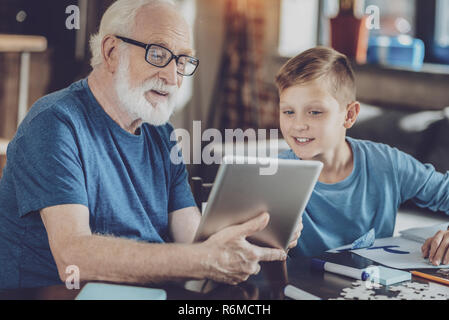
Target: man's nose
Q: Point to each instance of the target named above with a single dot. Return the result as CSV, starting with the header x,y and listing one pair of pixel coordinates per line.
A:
x,y
169,73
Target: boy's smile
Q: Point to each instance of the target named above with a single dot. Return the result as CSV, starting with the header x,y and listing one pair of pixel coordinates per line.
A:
x,y
303,141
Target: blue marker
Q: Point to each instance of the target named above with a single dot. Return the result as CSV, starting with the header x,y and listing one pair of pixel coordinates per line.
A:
x,y
358,274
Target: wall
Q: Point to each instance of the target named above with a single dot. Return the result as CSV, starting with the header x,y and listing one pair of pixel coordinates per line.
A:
x,y
52,70
209,32
209,35
9,87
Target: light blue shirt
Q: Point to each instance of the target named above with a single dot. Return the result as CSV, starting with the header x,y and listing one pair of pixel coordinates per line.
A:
x,y
382,179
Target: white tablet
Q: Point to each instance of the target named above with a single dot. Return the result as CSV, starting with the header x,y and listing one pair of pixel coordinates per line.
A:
x,y
245,187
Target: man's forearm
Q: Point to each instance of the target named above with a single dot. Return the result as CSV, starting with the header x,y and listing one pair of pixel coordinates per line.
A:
x,y
112,259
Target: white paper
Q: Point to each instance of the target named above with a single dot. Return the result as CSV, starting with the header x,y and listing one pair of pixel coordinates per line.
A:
x,y
342,248
422,234
411,257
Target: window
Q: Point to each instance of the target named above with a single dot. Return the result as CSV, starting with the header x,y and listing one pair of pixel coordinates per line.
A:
x,y
442,23
188,10
396,17
441,47
305,23
298,26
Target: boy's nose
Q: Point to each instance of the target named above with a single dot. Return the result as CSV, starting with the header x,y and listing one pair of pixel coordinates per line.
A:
x,y
301,127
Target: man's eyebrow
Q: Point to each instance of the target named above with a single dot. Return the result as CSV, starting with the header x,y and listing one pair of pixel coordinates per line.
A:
x,y
187,52
190,52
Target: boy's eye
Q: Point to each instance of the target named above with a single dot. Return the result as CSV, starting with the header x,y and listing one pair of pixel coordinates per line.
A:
x,y
315,113
288,112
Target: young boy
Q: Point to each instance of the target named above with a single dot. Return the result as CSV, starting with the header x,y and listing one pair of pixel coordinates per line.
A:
x,y
363,183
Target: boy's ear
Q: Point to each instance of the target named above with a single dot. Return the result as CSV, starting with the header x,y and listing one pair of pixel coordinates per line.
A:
x,y
352,112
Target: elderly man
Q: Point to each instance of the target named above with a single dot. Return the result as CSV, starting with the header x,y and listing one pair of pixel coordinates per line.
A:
x,y
89,181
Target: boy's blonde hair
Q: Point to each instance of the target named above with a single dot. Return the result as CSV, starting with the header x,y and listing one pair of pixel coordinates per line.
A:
x,y
320,62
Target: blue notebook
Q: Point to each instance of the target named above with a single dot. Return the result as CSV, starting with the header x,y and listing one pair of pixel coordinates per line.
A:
x,y
387,276
103,291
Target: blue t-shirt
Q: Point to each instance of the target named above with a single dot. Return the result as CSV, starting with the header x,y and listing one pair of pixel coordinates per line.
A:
x,y
69,151
382,179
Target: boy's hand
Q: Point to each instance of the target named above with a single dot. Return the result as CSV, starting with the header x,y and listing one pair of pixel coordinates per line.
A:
x,y
436,248
297,234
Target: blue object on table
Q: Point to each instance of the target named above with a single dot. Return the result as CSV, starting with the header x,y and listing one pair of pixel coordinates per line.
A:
x,y
103,291
390,249
387,276
401,51
365,241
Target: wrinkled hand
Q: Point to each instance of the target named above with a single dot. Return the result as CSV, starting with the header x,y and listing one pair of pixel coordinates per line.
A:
x,y
231,258
436,248
294,242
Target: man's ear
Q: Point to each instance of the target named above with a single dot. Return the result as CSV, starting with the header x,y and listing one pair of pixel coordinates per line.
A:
x,y
109,50
352,112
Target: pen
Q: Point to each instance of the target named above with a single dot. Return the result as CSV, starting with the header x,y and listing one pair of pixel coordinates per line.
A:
x,y
358,274
298,294
429,277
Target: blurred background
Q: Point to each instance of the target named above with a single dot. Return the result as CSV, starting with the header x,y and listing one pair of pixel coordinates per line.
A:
x,y
400,51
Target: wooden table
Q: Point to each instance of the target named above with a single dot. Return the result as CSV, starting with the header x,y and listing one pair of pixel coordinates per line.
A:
x,y
24,45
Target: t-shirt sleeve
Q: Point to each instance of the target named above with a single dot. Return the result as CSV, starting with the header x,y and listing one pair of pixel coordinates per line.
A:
x,y
47,169
422,184
180,192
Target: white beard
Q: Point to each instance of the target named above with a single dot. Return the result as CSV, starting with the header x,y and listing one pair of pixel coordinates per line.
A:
x,y
133,101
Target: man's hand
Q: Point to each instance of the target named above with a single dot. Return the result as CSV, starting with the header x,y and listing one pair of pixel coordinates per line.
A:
x,y
231,258
294,242
436,248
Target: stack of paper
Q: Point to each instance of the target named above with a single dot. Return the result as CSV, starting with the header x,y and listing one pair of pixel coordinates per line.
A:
x,y
402,252
422,234
397,253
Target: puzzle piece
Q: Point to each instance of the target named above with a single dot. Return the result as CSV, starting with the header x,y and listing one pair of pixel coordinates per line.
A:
x,y
365,290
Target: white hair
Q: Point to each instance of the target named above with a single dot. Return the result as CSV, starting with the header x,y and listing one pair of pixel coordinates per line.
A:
x,y
119,18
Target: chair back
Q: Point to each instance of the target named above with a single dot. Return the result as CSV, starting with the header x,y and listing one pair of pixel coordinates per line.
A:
x,y
200,190
3,147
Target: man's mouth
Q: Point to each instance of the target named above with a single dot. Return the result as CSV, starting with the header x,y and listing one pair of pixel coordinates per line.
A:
x,y
157,97
160,93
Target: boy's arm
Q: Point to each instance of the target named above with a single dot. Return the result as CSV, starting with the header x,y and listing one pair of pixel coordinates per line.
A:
x,y
427,188
422,184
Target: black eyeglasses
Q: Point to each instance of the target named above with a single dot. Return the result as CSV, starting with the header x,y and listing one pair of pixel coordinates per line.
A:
x,y
160,57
